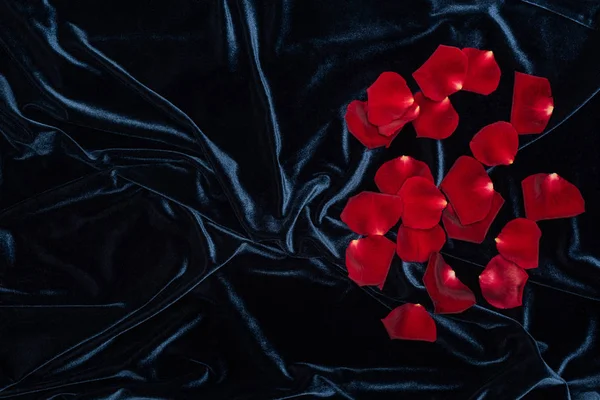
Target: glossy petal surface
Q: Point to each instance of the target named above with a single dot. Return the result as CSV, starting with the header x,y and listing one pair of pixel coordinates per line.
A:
x,y
496,144
549,196
368,260
370,213
415,245
436,120
532,104
423,203
483,73
362,129
443,73
502,283
389,98
475,232
390,177
519,242
410,322
448,293
469,189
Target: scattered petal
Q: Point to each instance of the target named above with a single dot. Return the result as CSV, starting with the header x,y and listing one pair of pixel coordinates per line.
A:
x,y
410,322
359,126
502,283
469,189
437,119
389,98
423,203
391,175
519,242
368,260
370,213
476,232
396,125
443,73
483,73
448,293
496,144
532,103
549,196
415,245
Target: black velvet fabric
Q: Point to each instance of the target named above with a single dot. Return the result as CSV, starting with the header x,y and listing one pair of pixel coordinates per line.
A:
x,y
171,178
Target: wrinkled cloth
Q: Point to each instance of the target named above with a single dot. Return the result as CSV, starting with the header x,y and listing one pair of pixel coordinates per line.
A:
x,y
172,174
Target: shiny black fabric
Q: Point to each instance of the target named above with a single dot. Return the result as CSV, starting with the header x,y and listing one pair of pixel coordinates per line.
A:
x,y
171,178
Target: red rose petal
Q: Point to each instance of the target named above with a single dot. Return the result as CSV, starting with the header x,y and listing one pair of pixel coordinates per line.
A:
x,y
410,322
476,232
448,293
443,73
548,196
502,283
423,203
392,174
395,126
519,242
496,144
359,126
437,119
389,97
370,213
483,73
532,103
415,245
368,260
469,189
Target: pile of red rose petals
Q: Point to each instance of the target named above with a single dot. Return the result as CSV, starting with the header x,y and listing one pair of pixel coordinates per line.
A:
x,y
465,202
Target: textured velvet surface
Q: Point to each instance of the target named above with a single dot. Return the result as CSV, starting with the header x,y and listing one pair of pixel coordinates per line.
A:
x,y
172,174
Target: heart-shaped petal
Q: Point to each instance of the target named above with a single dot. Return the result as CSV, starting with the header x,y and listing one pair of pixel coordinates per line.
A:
x,y
483,73
437,119
549,196
448,293
476,232
532,103
469,189
368,260
443,73
396,125
423,203
359,126
496,144
370,213
392,174
502,283
519,242
389,98
410,322
415,245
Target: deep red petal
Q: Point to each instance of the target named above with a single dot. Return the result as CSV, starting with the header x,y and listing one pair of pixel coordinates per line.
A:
x,y
519,242
549,196
415,245
389,97
437,119
423,203
367,134
443,73
396,125
368,260
496,144
370,213
502,283
448,293
392,174
469,189
476,232
532,103
410,322
483,73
